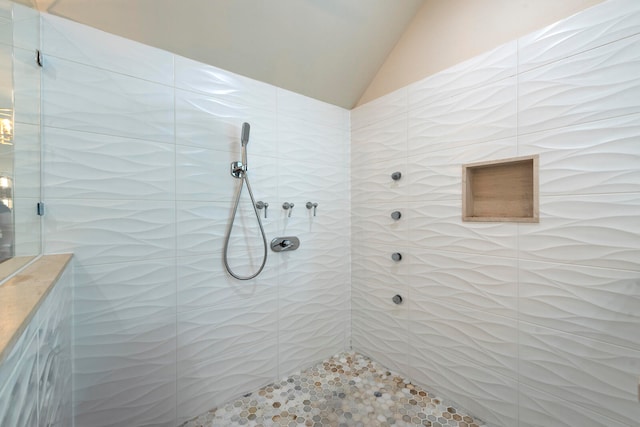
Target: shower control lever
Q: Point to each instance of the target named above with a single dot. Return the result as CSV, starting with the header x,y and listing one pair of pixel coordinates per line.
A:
x,y
288,207
262,205
283,244
310,205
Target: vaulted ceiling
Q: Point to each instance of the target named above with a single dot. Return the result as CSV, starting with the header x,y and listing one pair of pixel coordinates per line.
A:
x,y
326,49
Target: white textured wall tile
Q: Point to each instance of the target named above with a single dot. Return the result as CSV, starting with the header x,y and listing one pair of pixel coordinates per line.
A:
x,y
83,98
26,87
497,64
312,300
26,160
117,291
54,355
316,182
481,114
89,46
595,230
26,27
203,282
199,77
35,377
311,110
6,29
437,175
595,157
27,226
380,142
107,231
597,84
126,326
480,391
374,266
224,351
125,344
372,224
223,377
82,165
201,227
539,409
576,105
204,175
330,223
588,373
438,225
373,182
19,382
380,328
311,315
392,104
216,123
477,282
67,280
601,24
478,336
596,303
226,327
301,140
126,373
307,266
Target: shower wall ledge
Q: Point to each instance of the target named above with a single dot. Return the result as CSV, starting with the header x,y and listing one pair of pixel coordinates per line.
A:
x,y
22,295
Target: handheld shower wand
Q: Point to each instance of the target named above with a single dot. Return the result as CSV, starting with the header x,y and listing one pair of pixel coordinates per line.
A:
x,y
239,171
246,128
244,140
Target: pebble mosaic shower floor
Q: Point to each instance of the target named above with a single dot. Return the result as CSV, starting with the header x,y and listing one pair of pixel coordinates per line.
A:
x,y
348,389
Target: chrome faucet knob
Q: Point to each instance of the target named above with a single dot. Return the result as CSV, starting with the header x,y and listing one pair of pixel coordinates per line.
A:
x,y
310,205
288,206
262,205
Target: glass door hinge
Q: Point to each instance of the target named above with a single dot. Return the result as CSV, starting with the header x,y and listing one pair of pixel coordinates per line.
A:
x,y
40,208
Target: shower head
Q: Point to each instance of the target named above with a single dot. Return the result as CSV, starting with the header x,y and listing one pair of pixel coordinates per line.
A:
x,y
245,133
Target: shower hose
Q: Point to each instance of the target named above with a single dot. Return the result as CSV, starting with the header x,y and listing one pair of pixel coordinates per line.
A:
x,y
244,179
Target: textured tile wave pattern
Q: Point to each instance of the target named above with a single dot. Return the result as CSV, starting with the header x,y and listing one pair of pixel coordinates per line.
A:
x,y
137,147
534,324
347,389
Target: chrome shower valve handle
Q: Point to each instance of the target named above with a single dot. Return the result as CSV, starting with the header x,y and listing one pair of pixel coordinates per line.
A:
x,y
310,205
288,207
263,205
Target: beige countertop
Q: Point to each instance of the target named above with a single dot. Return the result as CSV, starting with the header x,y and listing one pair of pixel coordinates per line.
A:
x,y
21,296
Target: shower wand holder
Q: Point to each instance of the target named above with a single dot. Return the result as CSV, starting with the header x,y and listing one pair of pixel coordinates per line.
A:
x,y
238,169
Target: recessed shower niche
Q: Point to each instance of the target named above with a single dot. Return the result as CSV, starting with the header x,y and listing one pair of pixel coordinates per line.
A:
x,y
501,190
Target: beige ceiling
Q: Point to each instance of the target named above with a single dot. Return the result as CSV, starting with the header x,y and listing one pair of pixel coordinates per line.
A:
x,y
326,49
